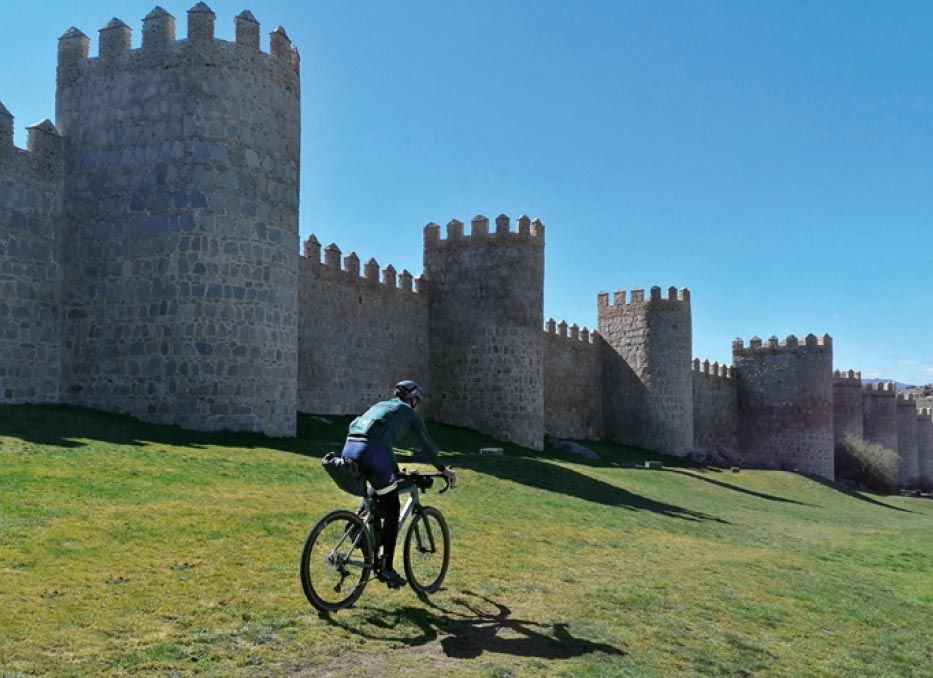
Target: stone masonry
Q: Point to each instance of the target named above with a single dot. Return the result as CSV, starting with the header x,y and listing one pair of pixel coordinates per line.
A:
x,y
847,405
149,265
907,439
925,447
785,402
879,415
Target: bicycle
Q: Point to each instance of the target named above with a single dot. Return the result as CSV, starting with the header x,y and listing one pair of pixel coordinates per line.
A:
x,y
343,545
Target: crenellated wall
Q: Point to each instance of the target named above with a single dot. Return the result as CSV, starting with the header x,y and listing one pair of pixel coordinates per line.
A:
x,y
572,382
486,310
879,414
924,447
907,439
181,232
647,376
847,405
358,336
715,406
149,265
785,403
30,263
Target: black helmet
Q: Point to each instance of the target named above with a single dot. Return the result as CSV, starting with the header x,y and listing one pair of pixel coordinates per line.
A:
x,y
408,389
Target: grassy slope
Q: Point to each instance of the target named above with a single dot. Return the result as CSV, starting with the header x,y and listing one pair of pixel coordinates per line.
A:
x,y
125,546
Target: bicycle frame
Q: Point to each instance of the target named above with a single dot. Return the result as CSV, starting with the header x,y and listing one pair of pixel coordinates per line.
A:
x,y
413,503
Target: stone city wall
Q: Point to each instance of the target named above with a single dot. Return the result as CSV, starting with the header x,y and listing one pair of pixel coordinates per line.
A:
x,y
181,197
925,447
879,414
486,310
648,380
358,336
715,406
30,264
572,382
847,405
907,439
785,403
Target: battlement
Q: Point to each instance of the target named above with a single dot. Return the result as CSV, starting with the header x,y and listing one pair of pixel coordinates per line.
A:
x,y
924,414
847,378
906,400
789,345
637,298
159,38
348,269
43,146
529,230
571,332
712,369
880,390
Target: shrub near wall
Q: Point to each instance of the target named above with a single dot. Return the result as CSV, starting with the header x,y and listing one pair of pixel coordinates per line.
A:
x,y
869,464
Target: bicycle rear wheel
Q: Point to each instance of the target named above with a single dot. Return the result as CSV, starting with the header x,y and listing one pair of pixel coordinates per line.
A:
x,y
427,550
336,561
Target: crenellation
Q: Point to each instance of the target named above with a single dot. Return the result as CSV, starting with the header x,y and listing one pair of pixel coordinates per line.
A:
x,y
246,30
312,248
332,256
562,328
636,296
524,225
351,265
406,281
389,278
46,146
115,39
550,326
479,226
575,332
201,20
158,30
479,233
454,230
6,130
371,271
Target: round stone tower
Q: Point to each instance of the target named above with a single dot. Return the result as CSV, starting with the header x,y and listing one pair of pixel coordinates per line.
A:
x,y
907,439
486,311
647,369
181,234
879,414
847,405
785,396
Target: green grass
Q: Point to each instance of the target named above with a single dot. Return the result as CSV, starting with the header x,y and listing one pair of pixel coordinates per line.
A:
x,y
126,547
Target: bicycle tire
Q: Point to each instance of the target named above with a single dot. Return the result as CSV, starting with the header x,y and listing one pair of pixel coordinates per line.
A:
x,y
418,537
311,593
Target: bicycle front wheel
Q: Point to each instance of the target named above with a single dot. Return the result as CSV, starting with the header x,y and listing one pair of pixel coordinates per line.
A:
x,y
427,550
336,561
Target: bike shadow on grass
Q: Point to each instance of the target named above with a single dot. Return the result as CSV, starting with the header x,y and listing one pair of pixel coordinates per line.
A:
x,y
466,630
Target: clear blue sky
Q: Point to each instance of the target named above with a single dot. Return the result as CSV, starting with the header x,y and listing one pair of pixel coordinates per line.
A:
x,y
773,157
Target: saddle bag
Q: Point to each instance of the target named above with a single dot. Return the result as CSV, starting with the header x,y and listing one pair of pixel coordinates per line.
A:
x,y
345,473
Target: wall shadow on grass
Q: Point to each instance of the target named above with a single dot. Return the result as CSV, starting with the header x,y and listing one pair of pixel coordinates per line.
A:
x,y
550,477
470,627
855,494
70,426
741,490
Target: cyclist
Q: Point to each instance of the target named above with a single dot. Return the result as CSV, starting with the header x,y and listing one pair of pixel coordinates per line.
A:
x,y
369,444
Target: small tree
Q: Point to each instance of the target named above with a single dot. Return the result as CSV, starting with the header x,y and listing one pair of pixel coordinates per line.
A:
x,y
868,464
